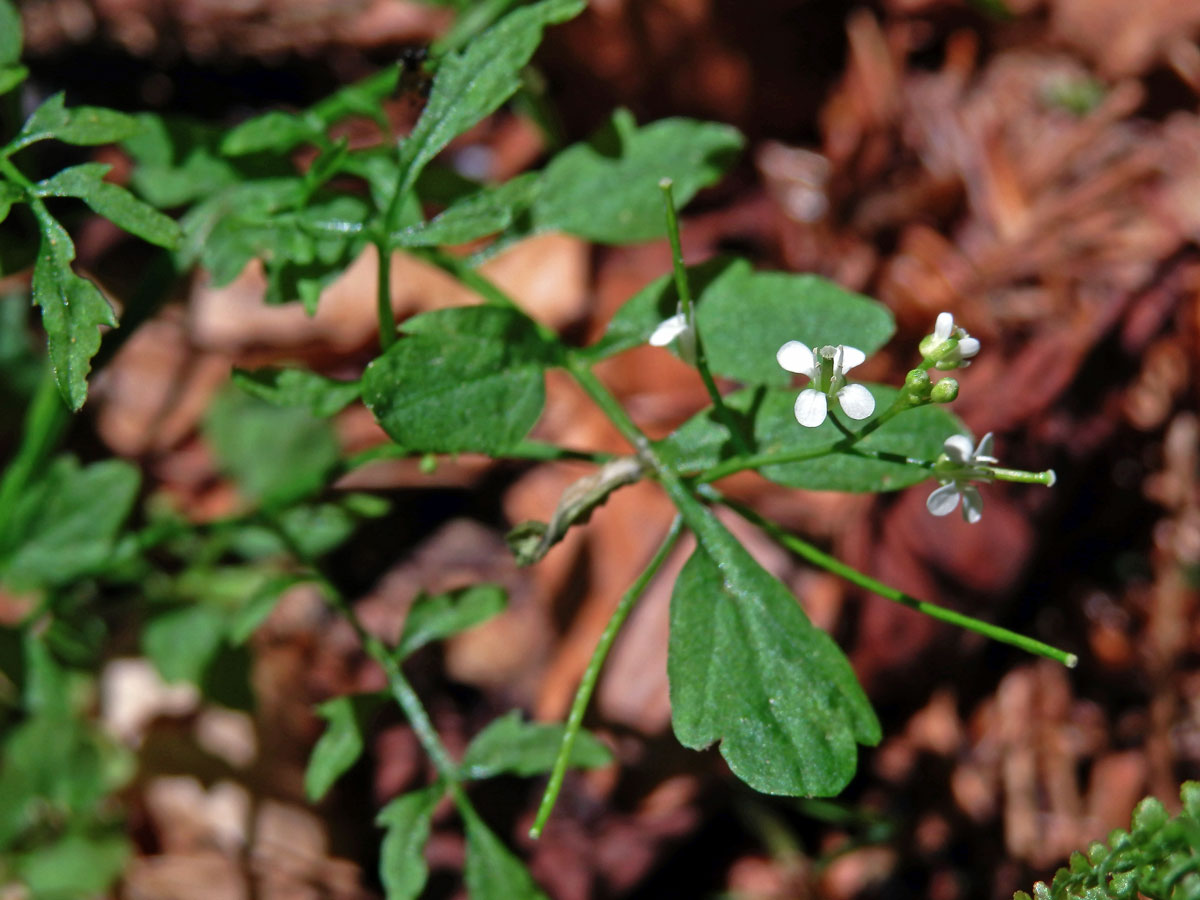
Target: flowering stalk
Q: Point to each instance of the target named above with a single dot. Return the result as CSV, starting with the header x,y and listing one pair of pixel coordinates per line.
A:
x,y
683,325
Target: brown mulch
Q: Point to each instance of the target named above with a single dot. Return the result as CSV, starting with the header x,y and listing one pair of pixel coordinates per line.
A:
x,y
1040,178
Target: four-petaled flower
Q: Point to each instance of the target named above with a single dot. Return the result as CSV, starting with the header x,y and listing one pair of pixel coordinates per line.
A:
x,y
959,465
943,330
827,367
676,328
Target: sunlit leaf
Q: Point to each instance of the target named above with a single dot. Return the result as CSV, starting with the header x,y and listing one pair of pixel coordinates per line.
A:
x,y
113,202
467,379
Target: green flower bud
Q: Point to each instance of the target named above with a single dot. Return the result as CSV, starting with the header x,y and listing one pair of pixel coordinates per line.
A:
x,y
916,388
944,391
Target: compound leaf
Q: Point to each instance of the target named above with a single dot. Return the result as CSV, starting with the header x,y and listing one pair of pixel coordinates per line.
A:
x,y
318,395
113,202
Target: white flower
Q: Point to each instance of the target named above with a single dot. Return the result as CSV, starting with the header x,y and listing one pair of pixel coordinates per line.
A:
x,y
813,403
944,329
959,465
676,328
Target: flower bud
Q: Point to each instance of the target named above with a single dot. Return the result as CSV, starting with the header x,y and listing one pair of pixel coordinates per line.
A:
x,y
916,388
944,391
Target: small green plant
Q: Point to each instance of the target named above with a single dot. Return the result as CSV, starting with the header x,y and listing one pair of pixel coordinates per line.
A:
x,y
1158,858
747,669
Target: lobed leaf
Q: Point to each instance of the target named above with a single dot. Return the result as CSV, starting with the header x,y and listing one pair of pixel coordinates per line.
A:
x,y
113,202
407,818
767,418
510,746
477,215
72,310
80,125
434,618
276,455
68,522
606,190
301,388
492,872
9,194
341,744
747,668
463,380
473,83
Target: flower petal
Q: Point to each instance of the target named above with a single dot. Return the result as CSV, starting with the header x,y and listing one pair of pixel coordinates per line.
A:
x,y
668,330
972,503
983,453
797,357
943,500
856,400
811,408
958,447
968,347
851,357
944,327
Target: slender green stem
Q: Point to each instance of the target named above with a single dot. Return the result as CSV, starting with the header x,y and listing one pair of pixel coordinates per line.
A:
x,y
45,421
383,297
400,687
831,564
537,451
685,302
591,675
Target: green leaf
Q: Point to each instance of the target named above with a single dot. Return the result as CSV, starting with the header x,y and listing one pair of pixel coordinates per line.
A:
x,y
464,380
745,316
607,189
474,216
10,34
183,641
275,131
77,865
9,194
434,618
69,520
114,203
319,396
637,318
472,84
492,872
258,606
80,125
766,415
276,455
510,746
342,742
72,310
279,132
11,76
407,818
748,669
